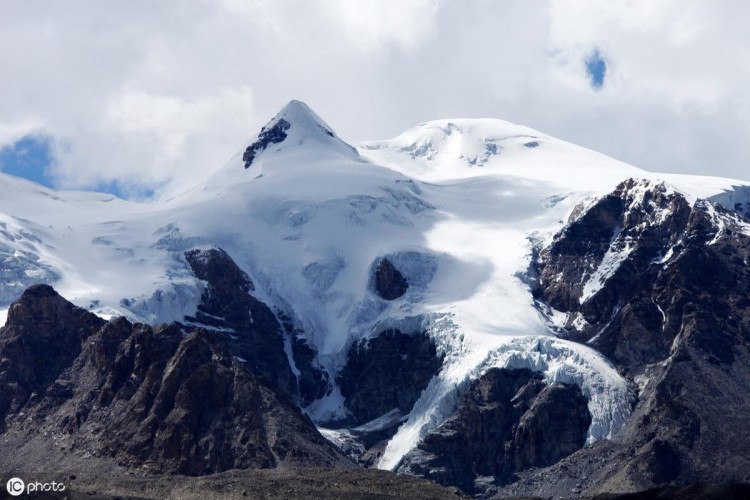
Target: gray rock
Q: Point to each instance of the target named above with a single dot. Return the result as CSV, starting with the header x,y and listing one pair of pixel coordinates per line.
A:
x,y
388,371
507,421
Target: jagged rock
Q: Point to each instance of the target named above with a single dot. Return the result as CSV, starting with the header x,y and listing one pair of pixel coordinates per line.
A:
x,y
390,284
274,134
388,371
508,420
638,221
252,331
161,398
610,266
675,316
42,336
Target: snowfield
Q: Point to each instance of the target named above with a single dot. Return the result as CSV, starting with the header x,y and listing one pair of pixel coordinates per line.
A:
x,y
456,205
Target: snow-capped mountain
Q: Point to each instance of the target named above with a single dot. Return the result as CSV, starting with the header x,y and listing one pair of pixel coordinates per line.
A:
x,y
435,233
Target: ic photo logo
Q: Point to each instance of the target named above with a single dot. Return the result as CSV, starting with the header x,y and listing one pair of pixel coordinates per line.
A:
x,y
15,486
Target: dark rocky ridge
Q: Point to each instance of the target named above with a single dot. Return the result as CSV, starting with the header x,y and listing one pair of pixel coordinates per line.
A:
x,y
635,316
42,337
268,136
674,317
137,397
251,330
254,332
507,421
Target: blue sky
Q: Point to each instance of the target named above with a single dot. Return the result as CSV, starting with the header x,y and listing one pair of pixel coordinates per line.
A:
x,y
29,157
596,69
32,157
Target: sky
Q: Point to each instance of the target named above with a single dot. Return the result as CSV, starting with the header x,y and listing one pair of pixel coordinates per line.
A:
x,y
147,99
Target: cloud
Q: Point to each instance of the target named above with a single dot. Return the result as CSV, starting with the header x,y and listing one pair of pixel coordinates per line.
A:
x,y
158,95
145,140
371,25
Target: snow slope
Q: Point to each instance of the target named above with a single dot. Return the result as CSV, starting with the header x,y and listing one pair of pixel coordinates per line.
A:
x,y
456,205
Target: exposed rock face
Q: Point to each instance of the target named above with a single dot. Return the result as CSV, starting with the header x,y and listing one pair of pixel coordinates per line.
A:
x,y
162,399
632,263
251,329
42,337
606,256
268,136
507,421
672,313
390,284
552,428
386,372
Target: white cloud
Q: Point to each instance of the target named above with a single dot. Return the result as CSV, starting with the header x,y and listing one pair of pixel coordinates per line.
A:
x,y
12,132
374,24
162,93
146,140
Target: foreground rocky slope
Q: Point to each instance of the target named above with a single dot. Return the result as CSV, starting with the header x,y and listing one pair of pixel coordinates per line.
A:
x,y
279,483
166,399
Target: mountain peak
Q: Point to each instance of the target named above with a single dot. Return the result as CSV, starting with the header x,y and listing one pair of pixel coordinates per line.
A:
x,y
299,113
296,123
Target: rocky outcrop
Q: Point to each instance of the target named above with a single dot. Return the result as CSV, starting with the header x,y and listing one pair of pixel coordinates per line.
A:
x,y
166,399
552,428
390,284
273,133
507,421
626,269
672,313
42,337
251,330
387,371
